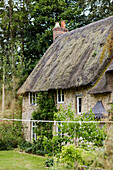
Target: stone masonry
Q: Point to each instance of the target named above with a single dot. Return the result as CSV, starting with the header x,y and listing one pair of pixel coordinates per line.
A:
x,y
70,95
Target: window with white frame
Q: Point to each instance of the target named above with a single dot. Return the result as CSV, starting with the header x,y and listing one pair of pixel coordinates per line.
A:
x,y
34,131
79,105
32,98
60,96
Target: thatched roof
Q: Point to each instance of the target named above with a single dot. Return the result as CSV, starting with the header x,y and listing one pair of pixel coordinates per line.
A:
x,y
105,83
73,59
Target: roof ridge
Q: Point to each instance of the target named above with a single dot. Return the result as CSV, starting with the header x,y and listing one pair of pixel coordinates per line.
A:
x,y
93,23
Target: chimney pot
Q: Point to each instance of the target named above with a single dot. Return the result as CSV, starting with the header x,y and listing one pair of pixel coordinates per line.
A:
x,y
57,24
63,24
57,30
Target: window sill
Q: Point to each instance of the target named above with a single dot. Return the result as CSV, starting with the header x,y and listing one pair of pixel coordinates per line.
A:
x,y
33,104
60,102
79,113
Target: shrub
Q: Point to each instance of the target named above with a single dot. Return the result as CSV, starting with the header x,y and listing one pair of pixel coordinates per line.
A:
x,y
10,135
48,145
34,148
53,146
82,131
2,145
49,162
73,156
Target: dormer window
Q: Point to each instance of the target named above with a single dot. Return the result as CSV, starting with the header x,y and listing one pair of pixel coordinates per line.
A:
x,y
60,96
32,98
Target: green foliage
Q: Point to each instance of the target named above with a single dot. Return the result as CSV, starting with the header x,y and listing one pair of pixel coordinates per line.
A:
x,y
53,146
82,131
49,162
11,53
34,148
3,145
39,148
74,156
70,154
48,145
43,15
10,135
45,107
96,9
45,111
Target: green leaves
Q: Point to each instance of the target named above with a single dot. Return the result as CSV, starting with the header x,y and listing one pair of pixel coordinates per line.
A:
x,y
44,14
45,111
82,131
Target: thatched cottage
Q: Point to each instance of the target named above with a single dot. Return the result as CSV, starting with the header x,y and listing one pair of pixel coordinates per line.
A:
x,y
77,68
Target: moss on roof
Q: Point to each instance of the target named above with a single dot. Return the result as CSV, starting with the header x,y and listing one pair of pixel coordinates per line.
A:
x,y
73,59
105,82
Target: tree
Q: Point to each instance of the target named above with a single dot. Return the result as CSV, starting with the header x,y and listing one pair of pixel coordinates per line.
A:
x,y
43,15
94,10
11,54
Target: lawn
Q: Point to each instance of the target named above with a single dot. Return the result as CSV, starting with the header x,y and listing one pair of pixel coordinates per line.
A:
x,y
12,160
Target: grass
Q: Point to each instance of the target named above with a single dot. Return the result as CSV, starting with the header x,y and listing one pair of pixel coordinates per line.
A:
x,y
12,160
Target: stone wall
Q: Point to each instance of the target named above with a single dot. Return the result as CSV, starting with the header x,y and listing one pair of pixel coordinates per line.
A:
x,y
70,96
27,110
88,100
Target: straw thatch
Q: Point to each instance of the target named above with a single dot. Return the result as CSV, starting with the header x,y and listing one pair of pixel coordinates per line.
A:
x,y
73,60
105,83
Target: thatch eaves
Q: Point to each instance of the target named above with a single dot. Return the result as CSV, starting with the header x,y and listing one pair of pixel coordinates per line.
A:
x,y
73,59
105,83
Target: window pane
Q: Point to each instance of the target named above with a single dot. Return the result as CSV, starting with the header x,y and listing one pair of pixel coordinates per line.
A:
x,y
80,101
58,92
62,98
62,92
79,108
30,98
62,95
33,98
79,105
59,96
36,95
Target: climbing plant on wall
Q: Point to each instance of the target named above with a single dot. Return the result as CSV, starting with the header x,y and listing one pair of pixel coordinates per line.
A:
x,y
45,111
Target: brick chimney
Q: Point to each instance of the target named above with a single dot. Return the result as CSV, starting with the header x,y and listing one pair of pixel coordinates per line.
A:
x,y
57,30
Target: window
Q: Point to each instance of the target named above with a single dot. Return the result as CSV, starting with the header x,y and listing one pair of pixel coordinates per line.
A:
x,y
32,98
33,131
79,105
58,128
60,96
